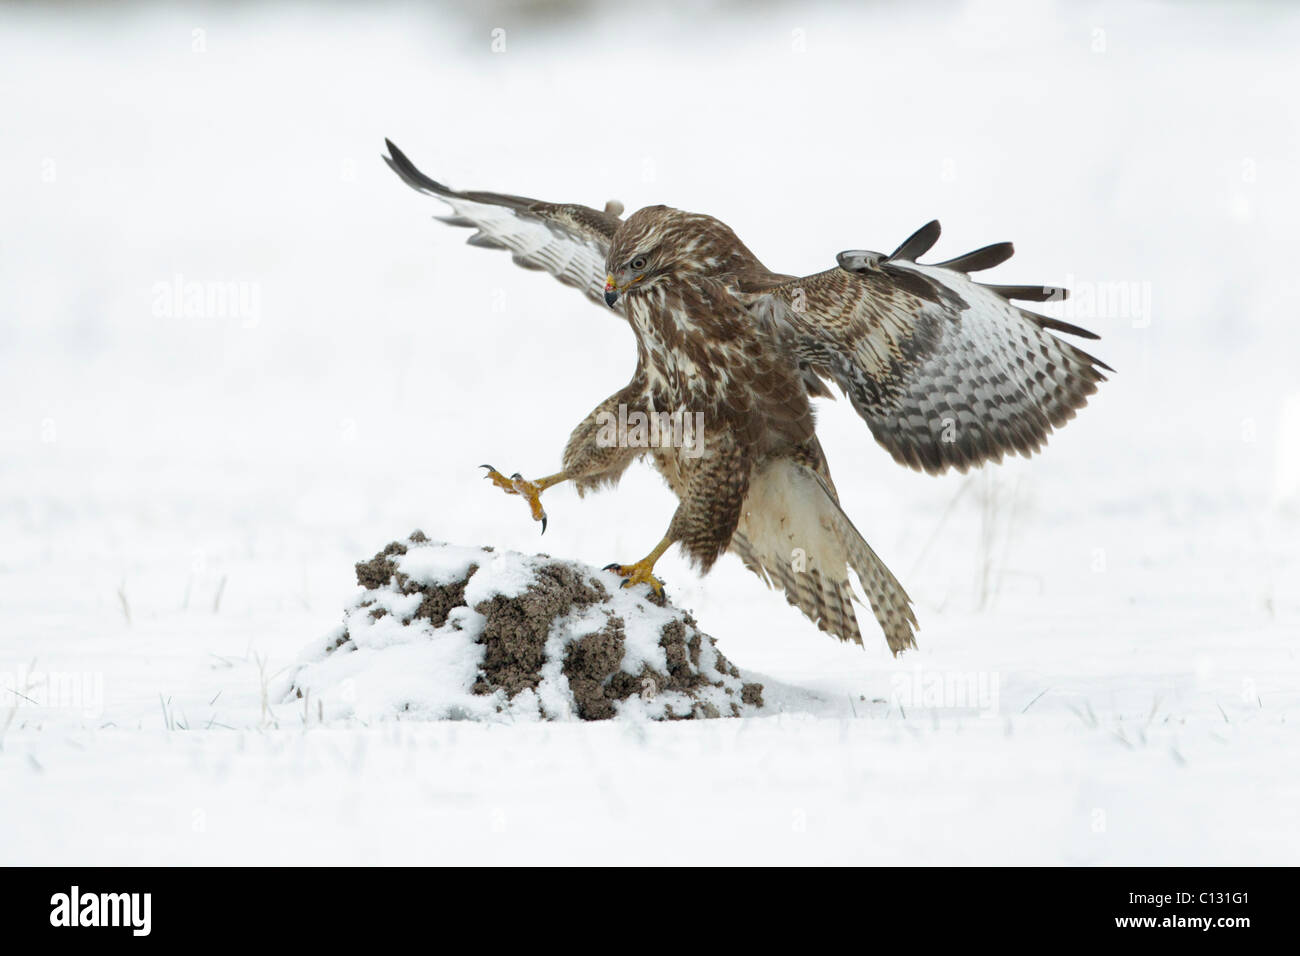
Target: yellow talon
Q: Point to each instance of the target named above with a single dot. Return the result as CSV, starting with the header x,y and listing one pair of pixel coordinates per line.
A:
x,y
531,491
639,573
643,571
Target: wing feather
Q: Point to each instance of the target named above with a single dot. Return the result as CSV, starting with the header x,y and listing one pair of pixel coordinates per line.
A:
x,y
567,240
918,243
946,372
981,259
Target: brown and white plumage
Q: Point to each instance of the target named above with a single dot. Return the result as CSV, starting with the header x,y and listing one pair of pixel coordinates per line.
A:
x,y
567,240
795,536
945,371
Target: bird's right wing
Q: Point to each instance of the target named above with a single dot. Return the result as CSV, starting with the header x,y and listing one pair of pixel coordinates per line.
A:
x,y
567,240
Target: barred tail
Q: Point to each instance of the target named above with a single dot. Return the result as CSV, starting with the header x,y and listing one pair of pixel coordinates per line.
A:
x,y
794,535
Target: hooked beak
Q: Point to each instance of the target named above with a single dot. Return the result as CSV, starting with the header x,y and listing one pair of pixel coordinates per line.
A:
x,y
611,291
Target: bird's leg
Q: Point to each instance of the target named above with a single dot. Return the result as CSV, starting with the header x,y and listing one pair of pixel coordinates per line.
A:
x,y
589,459
643,571
531,491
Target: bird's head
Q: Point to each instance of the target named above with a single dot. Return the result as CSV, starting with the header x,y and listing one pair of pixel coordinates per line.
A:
x,y
660,243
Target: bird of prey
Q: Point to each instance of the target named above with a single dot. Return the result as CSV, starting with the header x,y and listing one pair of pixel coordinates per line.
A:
x,y
946,372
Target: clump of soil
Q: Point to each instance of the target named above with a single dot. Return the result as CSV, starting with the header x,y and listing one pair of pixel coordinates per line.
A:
x,y
551,639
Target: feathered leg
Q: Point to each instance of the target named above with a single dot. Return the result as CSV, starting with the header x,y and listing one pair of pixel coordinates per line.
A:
x,y
706,515
592,456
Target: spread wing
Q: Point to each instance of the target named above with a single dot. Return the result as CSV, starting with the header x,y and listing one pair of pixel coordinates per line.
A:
x,y
946,372
565,239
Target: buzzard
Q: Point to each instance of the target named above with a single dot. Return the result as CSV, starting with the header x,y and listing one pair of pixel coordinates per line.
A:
x,y
946,372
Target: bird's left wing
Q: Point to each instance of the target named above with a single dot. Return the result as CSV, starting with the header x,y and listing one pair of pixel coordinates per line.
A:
x,y
947,372
567,240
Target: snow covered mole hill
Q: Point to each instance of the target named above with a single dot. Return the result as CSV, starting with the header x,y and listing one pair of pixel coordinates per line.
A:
x,y
441,631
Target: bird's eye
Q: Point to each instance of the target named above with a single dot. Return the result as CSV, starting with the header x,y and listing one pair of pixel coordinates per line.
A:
x,y
638,263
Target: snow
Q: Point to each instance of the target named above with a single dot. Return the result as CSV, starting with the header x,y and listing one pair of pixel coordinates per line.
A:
x,y
392,661
452,562
1107,670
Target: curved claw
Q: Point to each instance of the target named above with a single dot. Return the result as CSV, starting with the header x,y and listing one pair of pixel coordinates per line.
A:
x,y
516,484
639,573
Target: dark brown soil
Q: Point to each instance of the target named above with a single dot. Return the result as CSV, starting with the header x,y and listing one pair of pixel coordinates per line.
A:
x,y
516,630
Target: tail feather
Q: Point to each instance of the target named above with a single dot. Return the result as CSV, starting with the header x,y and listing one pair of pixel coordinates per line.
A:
x,y
892,606
794,536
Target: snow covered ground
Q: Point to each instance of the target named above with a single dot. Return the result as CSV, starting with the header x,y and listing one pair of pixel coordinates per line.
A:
x,y
1108,668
